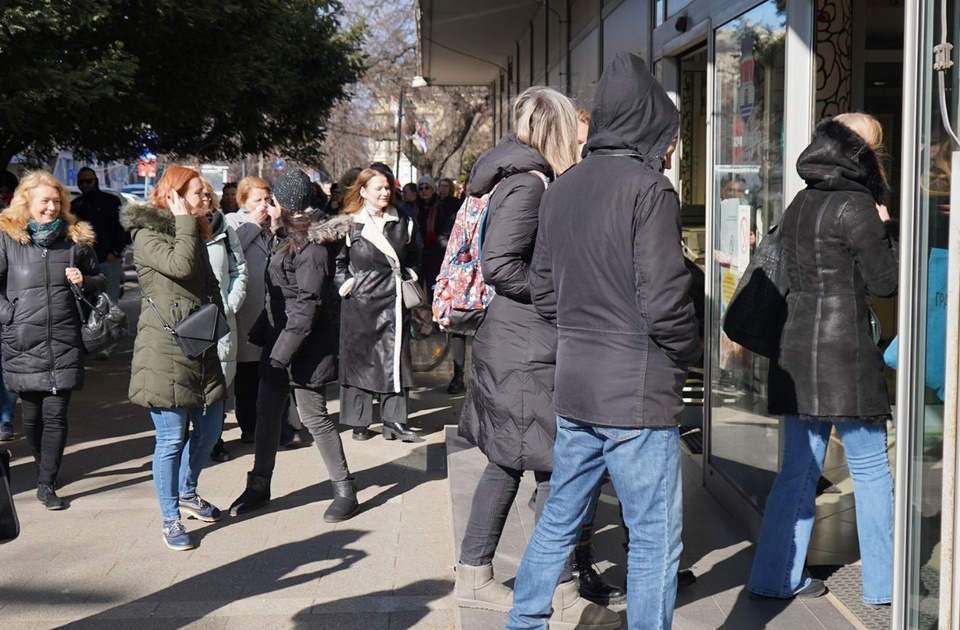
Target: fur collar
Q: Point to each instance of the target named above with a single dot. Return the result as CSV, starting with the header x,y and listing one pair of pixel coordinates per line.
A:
x,y
839,159
330,231
135,216
14,225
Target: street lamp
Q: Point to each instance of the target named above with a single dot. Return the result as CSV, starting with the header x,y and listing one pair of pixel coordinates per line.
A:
x,y
417,82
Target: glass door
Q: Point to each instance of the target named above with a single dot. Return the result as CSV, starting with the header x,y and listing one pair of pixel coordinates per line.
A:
x,y
748,171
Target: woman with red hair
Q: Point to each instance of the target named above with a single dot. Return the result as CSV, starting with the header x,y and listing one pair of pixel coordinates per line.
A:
x,y
176,278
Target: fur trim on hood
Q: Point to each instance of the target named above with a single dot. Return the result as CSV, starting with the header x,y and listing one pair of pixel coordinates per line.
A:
x,y
135,216
330,231
14,225
839,159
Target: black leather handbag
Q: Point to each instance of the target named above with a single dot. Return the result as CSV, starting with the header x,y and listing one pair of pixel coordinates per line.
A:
x,y
197,332
9,523
102,323
758,309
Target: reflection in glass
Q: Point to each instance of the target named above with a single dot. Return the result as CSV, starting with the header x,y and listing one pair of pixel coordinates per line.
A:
x,y
748,185
933,208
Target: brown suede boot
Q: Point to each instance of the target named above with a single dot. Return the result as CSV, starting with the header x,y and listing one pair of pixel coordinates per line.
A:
x,y
476,588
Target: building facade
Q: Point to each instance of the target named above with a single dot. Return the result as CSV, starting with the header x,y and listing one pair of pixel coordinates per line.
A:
x,y
751,78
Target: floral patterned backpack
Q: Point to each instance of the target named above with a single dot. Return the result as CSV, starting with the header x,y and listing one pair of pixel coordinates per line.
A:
x,y
461,297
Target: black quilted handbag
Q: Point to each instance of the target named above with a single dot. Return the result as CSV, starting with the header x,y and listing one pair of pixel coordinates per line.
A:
x,y
758,309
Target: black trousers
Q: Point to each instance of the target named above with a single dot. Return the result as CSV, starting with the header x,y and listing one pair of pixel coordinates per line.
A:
x,y
45,425
492,500
246,385
356,406
312,406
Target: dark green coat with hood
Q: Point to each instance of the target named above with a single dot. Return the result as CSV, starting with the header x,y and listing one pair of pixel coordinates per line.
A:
x,y
174,270
608,265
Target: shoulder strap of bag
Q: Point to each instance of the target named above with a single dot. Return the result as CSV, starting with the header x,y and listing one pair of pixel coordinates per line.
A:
x,y
156,312
77,292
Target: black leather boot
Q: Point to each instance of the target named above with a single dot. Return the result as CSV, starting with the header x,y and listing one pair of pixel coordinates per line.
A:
x,y
362,434
456,383
344,503
589,583
394,430
256,495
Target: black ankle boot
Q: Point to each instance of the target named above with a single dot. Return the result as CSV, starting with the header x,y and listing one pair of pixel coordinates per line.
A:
x,y
590,585
256,495
394,430
48,497
456,383
344,503
362,434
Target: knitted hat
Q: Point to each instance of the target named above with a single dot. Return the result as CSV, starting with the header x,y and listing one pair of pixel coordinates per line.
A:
x,y
426,179
292,190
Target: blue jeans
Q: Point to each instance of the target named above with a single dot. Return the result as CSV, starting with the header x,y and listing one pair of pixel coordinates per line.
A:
x,y
179,455
645,467
8,403
789,515
113,270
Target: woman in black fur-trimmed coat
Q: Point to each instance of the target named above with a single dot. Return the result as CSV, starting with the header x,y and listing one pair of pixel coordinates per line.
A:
x,y
839,245
299,345
43,249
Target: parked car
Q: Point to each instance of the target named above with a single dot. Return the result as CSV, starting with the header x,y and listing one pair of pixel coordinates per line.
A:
x,y
123,197
140,190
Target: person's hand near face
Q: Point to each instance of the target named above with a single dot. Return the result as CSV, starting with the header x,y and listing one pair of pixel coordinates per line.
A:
x,y
256,204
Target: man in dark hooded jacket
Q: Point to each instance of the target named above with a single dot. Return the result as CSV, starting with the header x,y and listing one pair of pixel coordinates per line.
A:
x,y
608,268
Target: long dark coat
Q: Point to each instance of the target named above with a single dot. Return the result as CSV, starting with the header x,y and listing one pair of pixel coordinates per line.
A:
x,y
42,347
300,333
174,270
374,325
837,250
508,412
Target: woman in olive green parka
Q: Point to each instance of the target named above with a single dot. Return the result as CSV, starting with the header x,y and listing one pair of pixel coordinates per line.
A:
x,y
175,274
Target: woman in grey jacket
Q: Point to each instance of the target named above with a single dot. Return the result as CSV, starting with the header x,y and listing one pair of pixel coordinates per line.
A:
x,y
43,249
230,268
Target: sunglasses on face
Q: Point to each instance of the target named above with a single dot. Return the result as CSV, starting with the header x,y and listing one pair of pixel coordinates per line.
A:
x,y
81,182
424,188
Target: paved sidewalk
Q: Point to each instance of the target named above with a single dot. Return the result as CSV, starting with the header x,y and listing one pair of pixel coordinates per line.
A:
x,y
101,563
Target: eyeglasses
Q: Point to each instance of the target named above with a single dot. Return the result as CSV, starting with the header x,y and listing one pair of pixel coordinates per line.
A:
x,y
81,182
424,187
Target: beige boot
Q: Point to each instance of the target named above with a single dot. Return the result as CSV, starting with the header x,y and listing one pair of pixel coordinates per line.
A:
x,y
476,588
572,612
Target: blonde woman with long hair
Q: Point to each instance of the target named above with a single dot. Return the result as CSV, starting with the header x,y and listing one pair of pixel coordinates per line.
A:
x,y
508,412
43,250
839,246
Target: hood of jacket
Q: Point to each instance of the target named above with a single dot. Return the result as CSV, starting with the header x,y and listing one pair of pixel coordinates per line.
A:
x,y
632,113
510,156
332,230
135,216
14,224
839,159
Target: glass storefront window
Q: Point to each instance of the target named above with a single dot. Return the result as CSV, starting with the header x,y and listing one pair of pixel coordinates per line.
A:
x,y
933,212
748,199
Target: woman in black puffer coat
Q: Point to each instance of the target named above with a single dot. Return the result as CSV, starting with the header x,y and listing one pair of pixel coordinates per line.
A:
x,y
43,249
839,245
508,411
299,344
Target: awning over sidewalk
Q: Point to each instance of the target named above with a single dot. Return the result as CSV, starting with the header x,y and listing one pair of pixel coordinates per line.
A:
x,y
465,42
